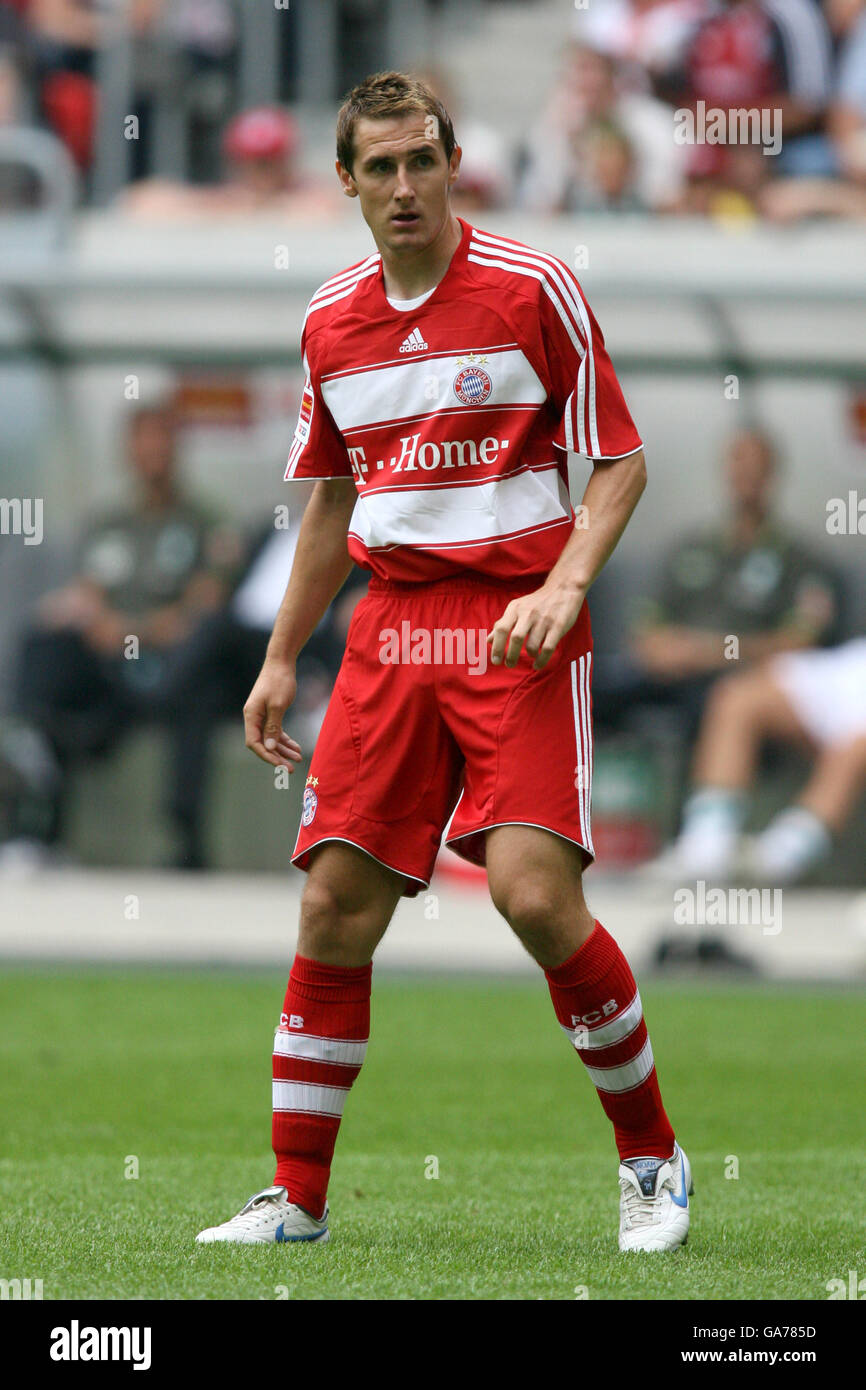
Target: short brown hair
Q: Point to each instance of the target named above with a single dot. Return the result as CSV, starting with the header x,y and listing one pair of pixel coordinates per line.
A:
x,y
389,94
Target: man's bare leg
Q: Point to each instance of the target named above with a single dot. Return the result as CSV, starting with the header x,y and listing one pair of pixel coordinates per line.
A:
x,y
320,1043
535,882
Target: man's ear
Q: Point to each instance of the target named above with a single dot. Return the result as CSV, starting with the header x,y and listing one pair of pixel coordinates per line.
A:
x,y
454,164
350,188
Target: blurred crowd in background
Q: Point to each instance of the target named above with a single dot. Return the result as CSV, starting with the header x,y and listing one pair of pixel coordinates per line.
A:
x,y
200,597
604,138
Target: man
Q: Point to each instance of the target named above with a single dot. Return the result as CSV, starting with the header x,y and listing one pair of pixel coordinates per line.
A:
x,y
111,649
447,376
747,578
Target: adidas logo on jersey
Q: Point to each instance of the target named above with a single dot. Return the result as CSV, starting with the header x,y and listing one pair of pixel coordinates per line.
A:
x,y
414,343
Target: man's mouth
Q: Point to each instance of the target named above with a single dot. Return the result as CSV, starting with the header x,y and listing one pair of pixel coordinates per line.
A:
x,y
405,219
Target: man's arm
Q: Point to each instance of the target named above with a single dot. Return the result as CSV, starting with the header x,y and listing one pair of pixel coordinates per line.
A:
x,y
673,652
321,566
541,620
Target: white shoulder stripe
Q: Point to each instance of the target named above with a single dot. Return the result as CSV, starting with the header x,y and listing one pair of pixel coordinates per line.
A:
x,y
539,275
564,279
568,304
553,276
336,281
341,293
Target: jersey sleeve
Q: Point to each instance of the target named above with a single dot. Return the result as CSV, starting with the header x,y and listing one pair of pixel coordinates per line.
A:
x,y
317,450
594,418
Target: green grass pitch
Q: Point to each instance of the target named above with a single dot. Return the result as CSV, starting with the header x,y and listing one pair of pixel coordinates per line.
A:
x,y
173,1070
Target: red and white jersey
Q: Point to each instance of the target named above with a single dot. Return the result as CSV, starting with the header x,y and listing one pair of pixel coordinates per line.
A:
x,y
454,418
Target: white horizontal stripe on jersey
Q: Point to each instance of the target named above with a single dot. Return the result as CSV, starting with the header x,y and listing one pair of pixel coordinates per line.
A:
x,y
449,516
626,1076
606,1034
366,398
344,1051
310,1100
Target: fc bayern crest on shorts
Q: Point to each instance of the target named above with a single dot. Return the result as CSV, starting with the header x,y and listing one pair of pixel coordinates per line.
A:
x,y
472,385
311,802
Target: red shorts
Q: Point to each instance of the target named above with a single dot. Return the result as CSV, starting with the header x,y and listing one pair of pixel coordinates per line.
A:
x,y
421,725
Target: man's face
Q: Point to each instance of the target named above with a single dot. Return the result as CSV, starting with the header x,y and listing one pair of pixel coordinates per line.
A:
x,y
589,78
402,178
152,448
750,472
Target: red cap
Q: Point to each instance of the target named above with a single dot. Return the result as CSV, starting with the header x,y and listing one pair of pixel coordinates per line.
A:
x,y
264,132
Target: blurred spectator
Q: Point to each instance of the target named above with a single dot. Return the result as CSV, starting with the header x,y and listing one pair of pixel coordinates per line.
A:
x,y
228,651
748,578
772,56
108,652
812,700
19,184
790,199
180,49
65,36
11,95
606,158
597,144
847,121
263,174
647,38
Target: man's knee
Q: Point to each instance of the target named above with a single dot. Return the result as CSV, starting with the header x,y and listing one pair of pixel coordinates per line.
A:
x,y
343,913
534,906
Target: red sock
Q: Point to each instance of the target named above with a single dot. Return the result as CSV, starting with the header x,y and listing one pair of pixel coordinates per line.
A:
x,y
598,1006
318,1050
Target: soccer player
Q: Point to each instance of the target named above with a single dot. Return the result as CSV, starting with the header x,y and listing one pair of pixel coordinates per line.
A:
x,y
448,374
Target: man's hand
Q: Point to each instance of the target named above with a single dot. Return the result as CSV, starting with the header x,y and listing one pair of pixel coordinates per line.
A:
x,y
539,620
268,701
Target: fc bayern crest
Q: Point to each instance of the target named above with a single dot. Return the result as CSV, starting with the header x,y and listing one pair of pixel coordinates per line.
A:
x,y
472,385
311,802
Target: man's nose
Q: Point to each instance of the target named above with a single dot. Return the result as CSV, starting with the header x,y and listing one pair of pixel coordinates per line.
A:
x,y
403,188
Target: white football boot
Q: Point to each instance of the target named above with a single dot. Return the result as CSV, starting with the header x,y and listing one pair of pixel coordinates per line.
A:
x,y
269,1216
654,1202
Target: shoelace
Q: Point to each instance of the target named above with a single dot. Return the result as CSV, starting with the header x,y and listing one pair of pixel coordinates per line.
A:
x,y
641,1210
245,1219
